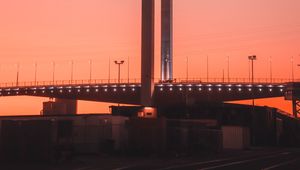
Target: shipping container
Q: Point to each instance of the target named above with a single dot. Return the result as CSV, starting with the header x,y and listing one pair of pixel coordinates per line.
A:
x,y
235,137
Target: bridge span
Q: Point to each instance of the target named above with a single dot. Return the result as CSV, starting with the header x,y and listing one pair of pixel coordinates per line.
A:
x,y
184,92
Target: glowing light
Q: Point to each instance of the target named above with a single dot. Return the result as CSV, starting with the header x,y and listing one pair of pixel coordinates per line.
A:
x,y
97,90
190,89
260,89
200,89
220,89
229,89
161,89
60,91
240,89
115,89
249,89
270,90
171,89
133,89
87,90
180,89
105,90
70,91
124,89
209,89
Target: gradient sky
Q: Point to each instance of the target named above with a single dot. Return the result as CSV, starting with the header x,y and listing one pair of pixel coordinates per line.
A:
x,y
43,31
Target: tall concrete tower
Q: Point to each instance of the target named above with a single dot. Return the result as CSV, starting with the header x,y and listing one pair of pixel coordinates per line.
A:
x,y
147,76
167,40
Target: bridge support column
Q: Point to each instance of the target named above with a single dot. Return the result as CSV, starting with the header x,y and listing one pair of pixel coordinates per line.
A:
x,y
296,107
147,76
293,93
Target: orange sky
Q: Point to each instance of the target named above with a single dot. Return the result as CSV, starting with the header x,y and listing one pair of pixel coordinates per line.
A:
x,y
53,30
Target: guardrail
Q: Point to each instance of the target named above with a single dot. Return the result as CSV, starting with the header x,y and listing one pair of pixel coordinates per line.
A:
x,y
136,81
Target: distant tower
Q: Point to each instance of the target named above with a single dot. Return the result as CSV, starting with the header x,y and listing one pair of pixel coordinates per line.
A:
x,y
167,40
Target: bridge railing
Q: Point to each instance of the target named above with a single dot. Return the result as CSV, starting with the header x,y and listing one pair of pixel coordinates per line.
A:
x,y
233,80
69,82
135,81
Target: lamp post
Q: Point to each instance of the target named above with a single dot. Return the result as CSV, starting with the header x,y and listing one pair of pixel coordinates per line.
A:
x,y
35,73
119,63
53,72
108,70
228,69
18,72
271,70
292,62
207,69
91,69
187,69
128,68
72,71
251,59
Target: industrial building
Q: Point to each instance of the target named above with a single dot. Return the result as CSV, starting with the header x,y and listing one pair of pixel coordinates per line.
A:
x,y
191,130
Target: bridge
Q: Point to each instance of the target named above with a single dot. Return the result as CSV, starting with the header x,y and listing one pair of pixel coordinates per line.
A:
x,y
163,92
179,92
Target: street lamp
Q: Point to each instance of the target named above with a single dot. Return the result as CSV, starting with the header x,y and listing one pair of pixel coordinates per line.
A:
x,y
18,72
53,72
271,69
292,62
35,73
187,69
228,69
72,71
251,59
91,69
119,63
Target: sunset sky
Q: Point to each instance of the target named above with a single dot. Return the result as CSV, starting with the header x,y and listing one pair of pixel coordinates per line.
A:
x,y
44,31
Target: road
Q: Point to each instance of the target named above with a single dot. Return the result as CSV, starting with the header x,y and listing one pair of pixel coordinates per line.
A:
x,y
254,159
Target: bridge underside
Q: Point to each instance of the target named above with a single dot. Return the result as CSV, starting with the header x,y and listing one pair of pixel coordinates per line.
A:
x,y
164,94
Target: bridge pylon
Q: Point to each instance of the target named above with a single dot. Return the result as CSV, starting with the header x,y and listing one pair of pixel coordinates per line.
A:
x,y
293,93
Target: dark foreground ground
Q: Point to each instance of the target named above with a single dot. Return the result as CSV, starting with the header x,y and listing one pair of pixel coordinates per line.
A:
x,y
252,159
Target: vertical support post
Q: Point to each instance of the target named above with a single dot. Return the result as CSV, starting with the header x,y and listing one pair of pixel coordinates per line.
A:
x,y
167,40
296,107
147,76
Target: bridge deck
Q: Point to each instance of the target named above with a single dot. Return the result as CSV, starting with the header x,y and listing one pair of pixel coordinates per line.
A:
x,y
164,94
